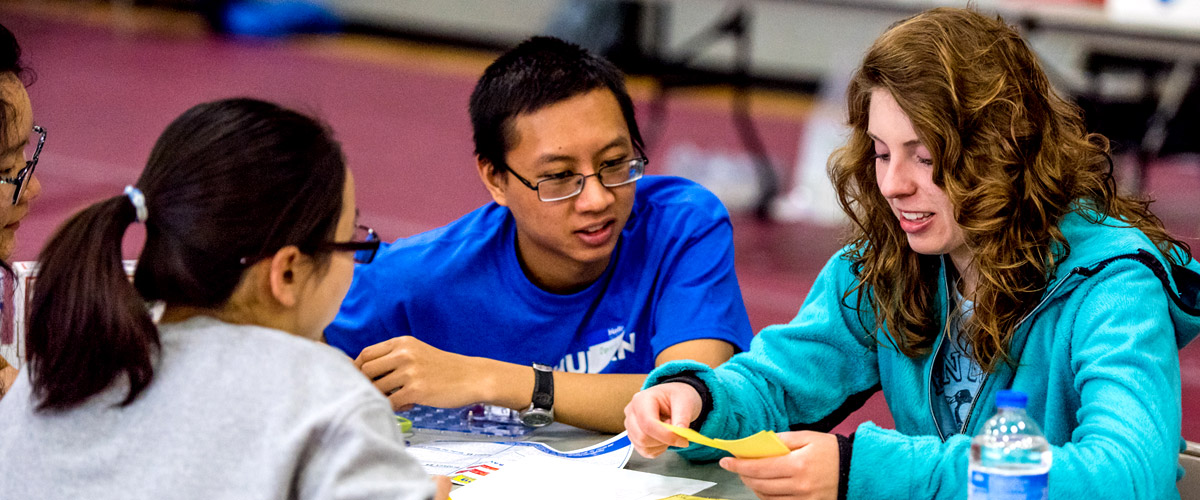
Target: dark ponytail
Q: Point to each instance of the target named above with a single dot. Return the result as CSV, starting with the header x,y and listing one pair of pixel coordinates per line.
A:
x,y
228,182
87,324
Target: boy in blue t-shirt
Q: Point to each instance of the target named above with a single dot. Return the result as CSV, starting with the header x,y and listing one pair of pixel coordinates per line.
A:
x,y
581,267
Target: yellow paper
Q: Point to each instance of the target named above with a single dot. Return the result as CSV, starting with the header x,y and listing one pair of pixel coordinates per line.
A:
x,y
761,445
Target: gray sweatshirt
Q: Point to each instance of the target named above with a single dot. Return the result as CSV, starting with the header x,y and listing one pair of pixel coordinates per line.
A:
x,y
233,412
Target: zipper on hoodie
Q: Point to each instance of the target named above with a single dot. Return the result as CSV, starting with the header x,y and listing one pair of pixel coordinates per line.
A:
x,y
937,351
971,409
929,390
986,376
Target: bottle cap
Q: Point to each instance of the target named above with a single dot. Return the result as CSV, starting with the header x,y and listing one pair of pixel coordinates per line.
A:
x,y
1011,399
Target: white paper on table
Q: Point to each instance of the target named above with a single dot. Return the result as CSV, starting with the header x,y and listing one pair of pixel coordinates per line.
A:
x,y
547,477
466,461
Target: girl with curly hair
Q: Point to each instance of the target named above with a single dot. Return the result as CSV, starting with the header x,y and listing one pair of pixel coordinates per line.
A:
x,y
20,143
990,251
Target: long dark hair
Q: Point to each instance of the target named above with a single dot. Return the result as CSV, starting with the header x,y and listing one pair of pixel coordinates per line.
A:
x,y
227,180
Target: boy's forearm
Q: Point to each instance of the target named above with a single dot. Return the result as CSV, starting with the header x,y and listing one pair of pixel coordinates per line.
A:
x,y
594,401
584,400
589,400
597,402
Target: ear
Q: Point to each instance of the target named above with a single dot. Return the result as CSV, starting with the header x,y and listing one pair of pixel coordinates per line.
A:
x,y
494,179
285,275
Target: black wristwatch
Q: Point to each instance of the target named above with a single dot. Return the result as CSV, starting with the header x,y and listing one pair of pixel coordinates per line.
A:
x,y
541,410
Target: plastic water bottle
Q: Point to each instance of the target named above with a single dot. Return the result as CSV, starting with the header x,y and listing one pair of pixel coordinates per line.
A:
x,y
1010,459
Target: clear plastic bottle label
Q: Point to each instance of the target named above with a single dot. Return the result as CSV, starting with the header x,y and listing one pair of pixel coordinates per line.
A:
x,y
992,486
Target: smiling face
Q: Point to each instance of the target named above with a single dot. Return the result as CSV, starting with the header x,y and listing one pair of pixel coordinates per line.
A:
x,y
565,245
904,174
12,160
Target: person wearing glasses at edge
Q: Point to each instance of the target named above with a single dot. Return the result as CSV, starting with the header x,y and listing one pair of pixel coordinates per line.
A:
x,y
20,143
580,267
230,395
991,250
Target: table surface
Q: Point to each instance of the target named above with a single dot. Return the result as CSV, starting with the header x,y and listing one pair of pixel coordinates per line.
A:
x,y
563,437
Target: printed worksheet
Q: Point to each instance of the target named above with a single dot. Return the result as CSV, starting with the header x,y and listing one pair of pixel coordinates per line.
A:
x,y
558,478
466,461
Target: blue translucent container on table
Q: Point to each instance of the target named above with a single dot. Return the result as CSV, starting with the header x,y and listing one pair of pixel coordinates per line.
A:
x,y
1010,459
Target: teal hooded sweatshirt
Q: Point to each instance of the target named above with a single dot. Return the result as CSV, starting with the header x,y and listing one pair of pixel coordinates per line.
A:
x,y
1098,358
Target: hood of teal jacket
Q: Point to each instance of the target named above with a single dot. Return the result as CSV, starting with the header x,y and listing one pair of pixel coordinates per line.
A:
x,y
1092,251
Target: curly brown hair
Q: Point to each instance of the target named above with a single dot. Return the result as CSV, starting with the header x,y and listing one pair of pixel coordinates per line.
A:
x,y
1012,156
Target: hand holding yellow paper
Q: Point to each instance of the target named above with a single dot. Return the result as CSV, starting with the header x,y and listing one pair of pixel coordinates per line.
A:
x,y
761,445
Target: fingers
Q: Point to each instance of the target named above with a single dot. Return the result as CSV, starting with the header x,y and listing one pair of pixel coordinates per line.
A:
x,y
755,468
373,352
650,451
679,404
795,440
647,409
403,399
648,420
413,372
404,390
419,391
771,489
639,425
789,487
650,446
766,477
386,356
809,471
664,435
392,382
443,487
391,373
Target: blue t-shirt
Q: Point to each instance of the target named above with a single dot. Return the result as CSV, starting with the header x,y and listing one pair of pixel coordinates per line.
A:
x,y
460,288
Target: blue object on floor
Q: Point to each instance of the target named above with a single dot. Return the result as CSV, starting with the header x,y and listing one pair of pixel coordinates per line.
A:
x,y
273,19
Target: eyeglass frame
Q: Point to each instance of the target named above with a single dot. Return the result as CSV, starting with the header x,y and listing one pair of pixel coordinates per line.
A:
x,y
582,178
371,244
25,173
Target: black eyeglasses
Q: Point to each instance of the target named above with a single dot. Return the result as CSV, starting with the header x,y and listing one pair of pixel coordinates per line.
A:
x,y
561,188
364,244
20,181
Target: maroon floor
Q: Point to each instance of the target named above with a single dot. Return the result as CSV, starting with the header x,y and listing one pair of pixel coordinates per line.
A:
x,y
104,97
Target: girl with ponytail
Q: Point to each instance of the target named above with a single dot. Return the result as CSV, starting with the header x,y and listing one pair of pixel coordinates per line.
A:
x,y
251,242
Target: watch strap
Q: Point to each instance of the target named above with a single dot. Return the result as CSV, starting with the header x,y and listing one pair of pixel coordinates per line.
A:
x,y
543,387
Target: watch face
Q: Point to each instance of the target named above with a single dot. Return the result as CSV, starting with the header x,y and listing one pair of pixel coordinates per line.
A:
x,y
537,417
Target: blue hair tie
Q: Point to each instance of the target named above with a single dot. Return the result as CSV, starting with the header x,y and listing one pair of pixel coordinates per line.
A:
x,y
138,199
